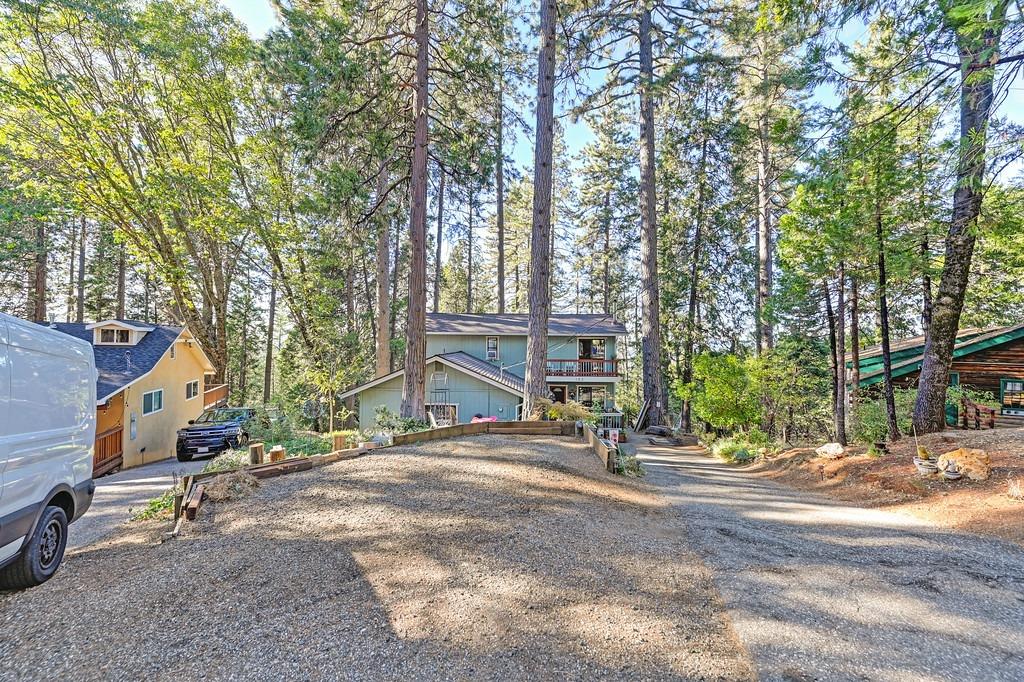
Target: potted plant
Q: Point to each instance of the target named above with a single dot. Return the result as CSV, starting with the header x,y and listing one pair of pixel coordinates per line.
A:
x,y
924,462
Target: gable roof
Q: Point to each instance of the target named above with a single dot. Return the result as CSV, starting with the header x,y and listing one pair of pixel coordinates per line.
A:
x,y
474,365
969,342
114,371
123,324
463,362
910,345
559,324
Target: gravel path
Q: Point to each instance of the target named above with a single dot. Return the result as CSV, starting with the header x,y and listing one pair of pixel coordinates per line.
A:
x,y
118,496
487,557
819,590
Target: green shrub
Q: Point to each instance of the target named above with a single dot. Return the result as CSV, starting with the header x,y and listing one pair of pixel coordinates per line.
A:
x,y
228,460
733,451
570,412
870,422
270,427
630,466
156,507
387,421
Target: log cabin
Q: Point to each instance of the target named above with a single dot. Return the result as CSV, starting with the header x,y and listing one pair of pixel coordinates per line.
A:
x,y
987,359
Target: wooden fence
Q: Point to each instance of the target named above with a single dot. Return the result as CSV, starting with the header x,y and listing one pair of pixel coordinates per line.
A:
x,y
108,451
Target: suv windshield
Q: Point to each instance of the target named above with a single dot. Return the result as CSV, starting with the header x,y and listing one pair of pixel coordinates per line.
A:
x,y
211,416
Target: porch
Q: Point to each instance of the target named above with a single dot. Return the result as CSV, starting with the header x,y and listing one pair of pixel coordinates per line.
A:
x,y
215,395
582,367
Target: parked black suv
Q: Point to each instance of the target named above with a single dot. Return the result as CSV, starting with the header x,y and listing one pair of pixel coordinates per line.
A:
x,y
215,431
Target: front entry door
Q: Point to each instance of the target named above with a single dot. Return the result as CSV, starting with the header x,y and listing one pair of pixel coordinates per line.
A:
x,y
559,393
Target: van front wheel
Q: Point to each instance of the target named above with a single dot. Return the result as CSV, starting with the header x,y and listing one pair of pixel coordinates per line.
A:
x,y
42,555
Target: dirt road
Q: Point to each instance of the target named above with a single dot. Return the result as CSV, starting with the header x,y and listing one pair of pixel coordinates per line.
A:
x,y
488,557
819,590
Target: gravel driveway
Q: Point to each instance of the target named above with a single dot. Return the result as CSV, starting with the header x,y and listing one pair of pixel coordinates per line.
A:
x,y
119,496
487,557
818,590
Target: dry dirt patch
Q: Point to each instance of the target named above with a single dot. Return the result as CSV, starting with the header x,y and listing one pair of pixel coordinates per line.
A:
x,y
488,557
891,482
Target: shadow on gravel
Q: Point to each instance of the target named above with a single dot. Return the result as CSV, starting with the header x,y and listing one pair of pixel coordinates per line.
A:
x,y
822,589
427,563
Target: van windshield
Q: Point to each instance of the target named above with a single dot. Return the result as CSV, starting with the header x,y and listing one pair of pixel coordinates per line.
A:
x,y
211,416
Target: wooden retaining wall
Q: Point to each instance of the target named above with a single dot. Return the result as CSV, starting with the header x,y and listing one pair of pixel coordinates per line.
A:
x,y
603,452
523,428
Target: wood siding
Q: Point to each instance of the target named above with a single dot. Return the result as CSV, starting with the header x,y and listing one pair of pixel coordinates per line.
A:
x,y
983,370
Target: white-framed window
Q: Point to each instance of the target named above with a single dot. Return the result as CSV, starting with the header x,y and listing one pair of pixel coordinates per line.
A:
x,y
172,350
115,336
492,348
588,396
152,401
192,389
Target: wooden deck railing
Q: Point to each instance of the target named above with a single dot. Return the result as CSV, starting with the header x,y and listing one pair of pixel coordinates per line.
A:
x,y
215,396
108,451
582,367
975,416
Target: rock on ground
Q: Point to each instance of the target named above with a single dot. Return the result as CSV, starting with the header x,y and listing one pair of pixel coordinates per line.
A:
x,y
487,557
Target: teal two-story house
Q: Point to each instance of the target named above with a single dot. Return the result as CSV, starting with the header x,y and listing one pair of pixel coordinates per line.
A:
x,y
476,364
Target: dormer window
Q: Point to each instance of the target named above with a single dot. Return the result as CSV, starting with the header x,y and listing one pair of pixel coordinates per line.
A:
x,y
117,332
115,336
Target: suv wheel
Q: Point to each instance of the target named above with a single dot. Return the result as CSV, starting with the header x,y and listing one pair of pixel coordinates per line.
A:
x,y
42,555
184,456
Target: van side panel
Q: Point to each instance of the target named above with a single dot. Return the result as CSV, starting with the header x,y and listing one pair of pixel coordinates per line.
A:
x,y
51,416
5,399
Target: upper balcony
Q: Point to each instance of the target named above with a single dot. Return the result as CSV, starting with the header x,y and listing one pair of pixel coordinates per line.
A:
x,y
582,367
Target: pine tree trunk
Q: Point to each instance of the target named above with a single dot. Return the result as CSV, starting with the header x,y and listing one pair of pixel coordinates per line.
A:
x,y
539,300
268,364
883,324
606,256
80,294
500,190
764,329
416,320
383,325
469,253
841,356
440,238
976,94
653,383
243,360
396,277
833,356
350,292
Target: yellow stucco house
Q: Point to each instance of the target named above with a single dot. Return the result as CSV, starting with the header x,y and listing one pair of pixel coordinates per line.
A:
x,y
152,379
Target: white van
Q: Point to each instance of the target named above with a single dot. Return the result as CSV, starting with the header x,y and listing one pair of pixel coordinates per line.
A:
x,y
47,429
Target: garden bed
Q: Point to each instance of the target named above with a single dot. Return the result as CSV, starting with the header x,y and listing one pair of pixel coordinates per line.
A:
x,y
891,481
